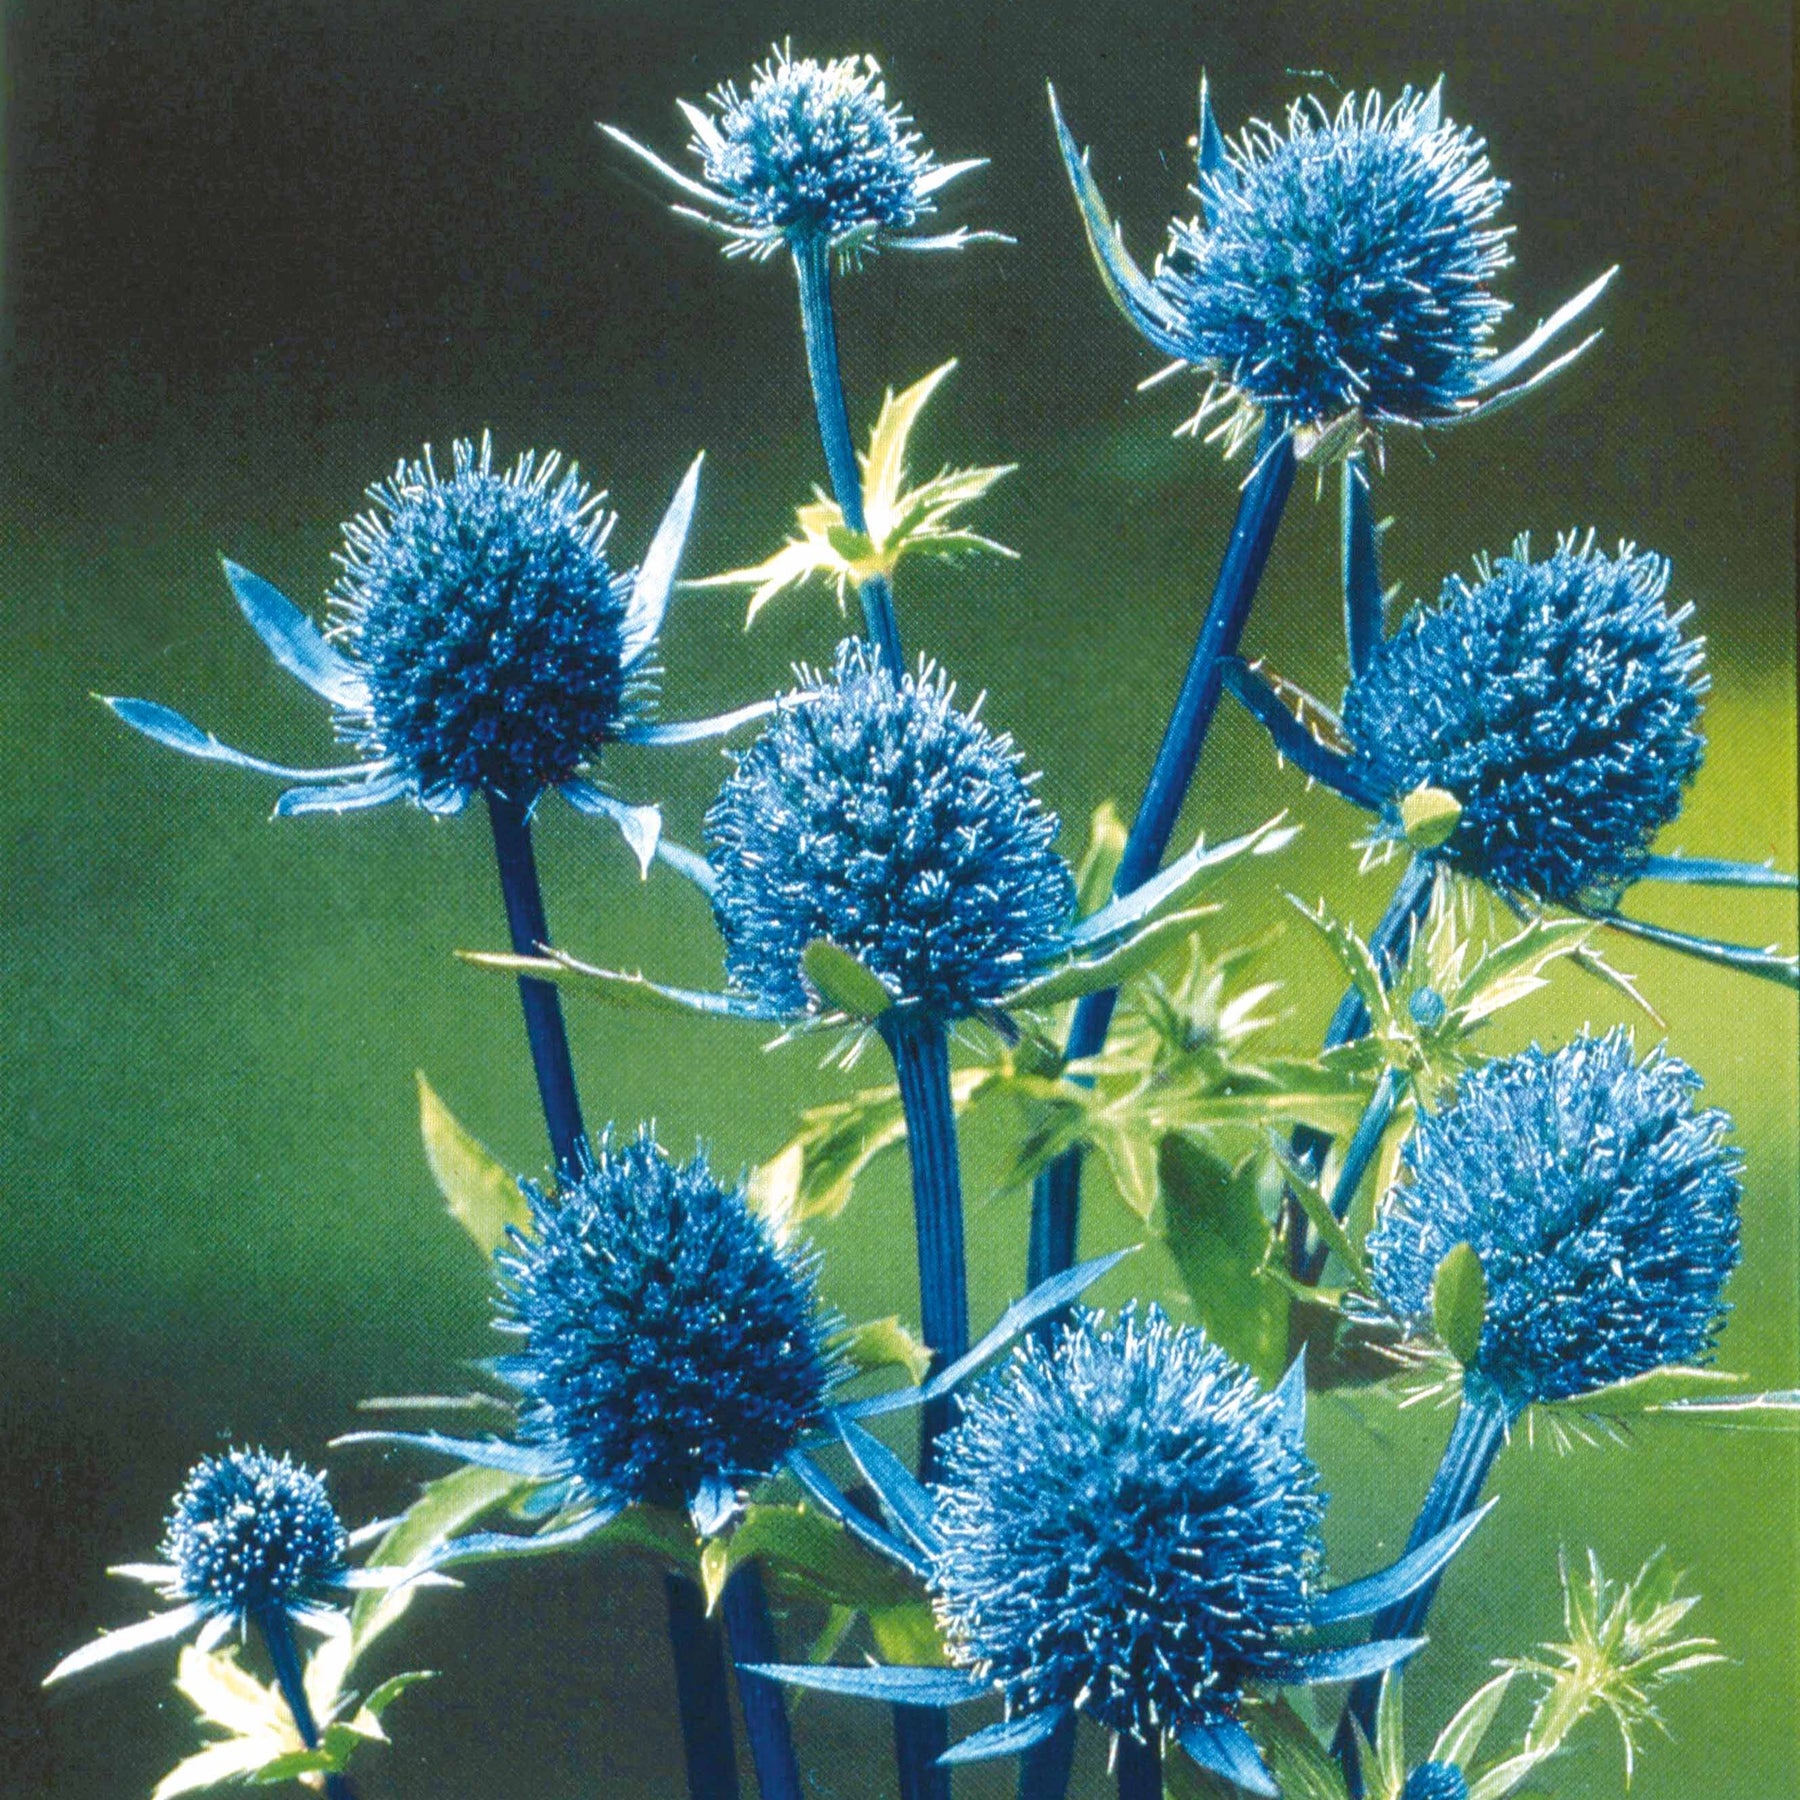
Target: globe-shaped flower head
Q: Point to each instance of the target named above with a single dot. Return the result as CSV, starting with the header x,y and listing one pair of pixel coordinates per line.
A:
x,y
1436,1781
673,1351
488,624
250,1532
1338,278
810,154
1129,1524
1557,700
1603,1207
880,816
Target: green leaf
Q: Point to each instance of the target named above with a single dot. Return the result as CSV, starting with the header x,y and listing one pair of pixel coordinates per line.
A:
x,y
292,1766
1216,1231
852,545
1303,1768
1358,963
1511,970
382,1697
1461,1739
481,1193
444,1508
636,991
806,1556
843,981
1459,1302
1100,861
1648,1392
1128,957
883,1344
908,1634
1318,1211
1429,816
815,1174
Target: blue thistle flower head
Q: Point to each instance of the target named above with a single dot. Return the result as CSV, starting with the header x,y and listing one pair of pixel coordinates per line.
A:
x,y
1436,1781
1339,277
250,1532
882,817
488,624
1602,1204
671,1347
810,154
1558,700
1344,267
1128,1523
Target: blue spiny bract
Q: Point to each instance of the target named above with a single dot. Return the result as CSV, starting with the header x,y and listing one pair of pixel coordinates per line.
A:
x,y
1129,1525
1557,700
672,1350
1436,1781
880,816
1602,1205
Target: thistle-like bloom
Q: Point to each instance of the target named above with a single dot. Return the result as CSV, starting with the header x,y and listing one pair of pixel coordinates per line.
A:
x,y
672,1351
883,818
482,641
1436,1781
1338,278
1602,1205
1127,1525
251,1536
901,521
1557,701
812,154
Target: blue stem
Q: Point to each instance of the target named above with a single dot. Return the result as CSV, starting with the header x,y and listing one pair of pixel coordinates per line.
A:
x,y
750,1633
702,1697
1364,1142
1140,1769
1045,1768
1455,1491
812,270
1390,945
543,1010
1292,740
1363,598
921,1052
1056,1196
278,1637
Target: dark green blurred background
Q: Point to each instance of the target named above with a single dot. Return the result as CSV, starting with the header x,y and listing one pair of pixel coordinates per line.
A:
x,y
254,252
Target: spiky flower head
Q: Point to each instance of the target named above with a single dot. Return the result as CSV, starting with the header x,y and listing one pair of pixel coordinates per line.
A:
x,y
1602,1205
1129,1524
673,1350
488,623
1343,268
1436,1781
811,156
884,818
250,1532
1557,700
1338,278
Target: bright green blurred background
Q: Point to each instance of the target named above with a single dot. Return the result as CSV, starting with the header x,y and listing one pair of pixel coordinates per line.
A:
x,y
256,251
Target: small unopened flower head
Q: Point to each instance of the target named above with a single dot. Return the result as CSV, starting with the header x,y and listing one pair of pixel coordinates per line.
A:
x,y
1557,700
670,1344
1436,1781
1129,1524
1602,1204
811,156
250,1532
882,817
1343,267
488,623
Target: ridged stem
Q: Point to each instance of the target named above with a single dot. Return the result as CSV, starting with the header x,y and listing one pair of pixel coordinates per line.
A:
x,y
1045,1768
750,1634
921,1051
702,1696
277,1633
1475,1440
544,1029
1139,1770
1056,1195
812,271
1390,946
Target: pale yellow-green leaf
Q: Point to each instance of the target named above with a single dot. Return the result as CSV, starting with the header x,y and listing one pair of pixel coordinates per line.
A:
x,y
908,1634
844,981
1429,816
883,1344
715,1567
1459,1302
481,1193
